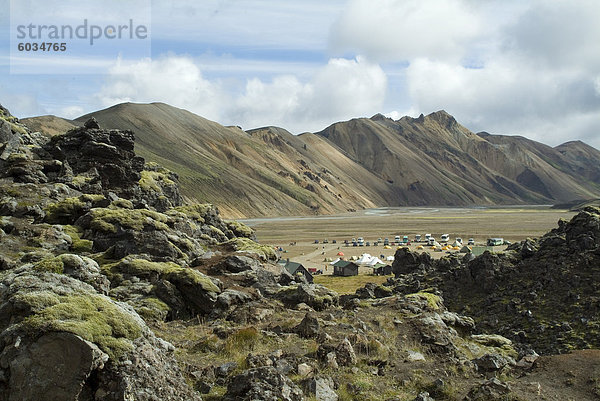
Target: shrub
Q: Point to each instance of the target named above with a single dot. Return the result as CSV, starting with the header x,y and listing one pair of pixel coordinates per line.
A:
x,y
243,340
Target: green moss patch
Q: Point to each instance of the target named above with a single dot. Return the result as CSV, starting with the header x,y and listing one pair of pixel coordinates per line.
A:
x,y
70,209
153,180
240,229
107,220
121,203
64,210
168,270
433,301
90,316
151,308
52,265
195,212
77,244
247,245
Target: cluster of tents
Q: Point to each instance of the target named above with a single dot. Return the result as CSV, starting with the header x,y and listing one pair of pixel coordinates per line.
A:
x,y
458,247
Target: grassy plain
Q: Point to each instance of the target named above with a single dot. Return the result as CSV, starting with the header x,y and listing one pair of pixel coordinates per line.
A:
x,y
510,223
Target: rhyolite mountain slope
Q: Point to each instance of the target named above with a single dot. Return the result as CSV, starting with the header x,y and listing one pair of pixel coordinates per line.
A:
x,y
361,163
259,172
49,124
435,160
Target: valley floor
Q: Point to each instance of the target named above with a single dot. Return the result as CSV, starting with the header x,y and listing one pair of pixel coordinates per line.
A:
x,y
511,223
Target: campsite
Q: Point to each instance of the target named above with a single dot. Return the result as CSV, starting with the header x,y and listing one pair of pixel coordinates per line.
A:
x,y
302,239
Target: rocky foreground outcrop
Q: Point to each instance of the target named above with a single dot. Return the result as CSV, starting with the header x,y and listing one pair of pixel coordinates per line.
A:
x,y
542,293
93,242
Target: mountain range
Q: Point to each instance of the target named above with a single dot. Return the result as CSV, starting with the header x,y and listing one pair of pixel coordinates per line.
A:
x,y
365,162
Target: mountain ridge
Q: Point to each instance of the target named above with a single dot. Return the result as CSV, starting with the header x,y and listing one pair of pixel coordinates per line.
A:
x,y
350,165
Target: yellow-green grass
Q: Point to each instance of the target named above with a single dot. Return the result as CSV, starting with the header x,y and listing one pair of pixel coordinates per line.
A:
x,y
348,285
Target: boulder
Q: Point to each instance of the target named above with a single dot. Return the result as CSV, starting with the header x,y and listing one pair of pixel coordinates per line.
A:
x,y
304,369
435,332
230,298
316,296
237,264
491,362
264,384
56,365
85,269
490,390
423,396
345,355
321,387
583,231
66,341
309,326
407,261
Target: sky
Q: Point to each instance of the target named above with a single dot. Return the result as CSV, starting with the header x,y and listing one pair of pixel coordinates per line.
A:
x,y
514,67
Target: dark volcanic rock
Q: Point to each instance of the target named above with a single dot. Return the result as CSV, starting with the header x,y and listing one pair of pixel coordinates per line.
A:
x,y
106,157
94,160
540,293
314,295
309,326
63,340
264,384
406,261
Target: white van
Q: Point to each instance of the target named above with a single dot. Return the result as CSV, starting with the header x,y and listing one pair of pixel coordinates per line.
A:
x,y
445,237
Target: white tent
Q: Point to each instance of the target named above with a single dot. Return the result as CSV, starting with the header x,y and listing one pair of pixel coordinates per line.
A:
x,y
365,258
389,259
335,261
374,261
437,244
456,243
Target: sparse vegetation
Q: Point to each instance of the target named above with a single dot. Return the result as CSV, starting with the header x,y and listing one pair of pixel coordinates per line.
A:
x,y
241,341
347,285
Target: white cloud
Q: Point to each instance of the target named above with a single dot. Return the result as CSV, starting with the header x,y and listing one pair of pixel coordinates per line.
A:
x,y
396,30
342,89
508,98
560,34
21,105
175,80
510,67
71,112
